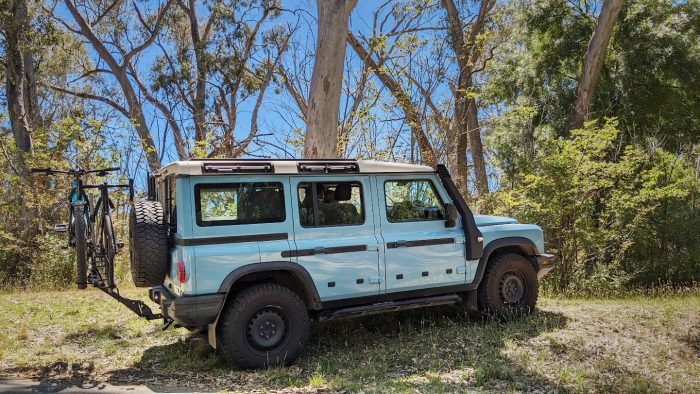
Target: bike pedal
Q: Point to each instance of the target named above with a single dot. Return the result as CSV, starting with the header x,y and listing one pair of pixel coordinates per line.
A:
x,y
120,244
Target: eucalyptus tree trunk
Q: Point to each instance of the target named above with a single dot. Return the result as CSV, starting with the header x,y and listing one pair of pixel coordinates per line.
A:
x,y
593,62
467,132
23,111
21,91
327,78
200,96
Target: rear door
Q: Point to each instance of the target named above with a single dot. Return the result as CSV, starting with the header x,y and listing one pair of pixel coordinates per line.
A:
x,y
420,251
334,235
237,220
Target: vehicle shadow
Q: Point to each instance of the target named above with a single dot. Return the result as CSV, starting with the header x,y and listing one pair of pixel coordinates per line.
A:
x,y
432,349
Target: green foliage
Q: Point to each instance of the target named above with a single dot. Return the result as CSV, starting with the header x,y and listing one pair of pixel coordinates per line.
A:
x,y
647,82
616,214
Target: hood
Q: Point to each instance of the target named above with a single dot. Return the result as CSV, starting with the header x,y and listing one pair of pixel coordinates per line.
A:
x,y
488,220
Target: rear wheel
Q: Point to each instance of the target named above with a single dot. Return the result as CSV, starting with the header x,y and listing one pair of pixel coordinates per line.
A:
x,y
108,247
80,229
509,285
264,325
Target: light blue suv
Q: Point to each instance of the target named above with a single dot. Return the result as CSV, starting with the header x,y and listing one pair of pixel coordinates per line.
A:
x,y
249,251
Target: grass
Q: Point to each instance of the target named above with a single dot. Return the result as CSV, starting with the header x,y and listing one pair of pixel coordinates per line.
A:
x,y
636,344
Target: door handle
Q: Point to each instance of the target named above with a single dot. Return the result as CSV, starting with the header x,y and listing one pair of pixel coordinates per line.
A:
x,y
401,244
319,250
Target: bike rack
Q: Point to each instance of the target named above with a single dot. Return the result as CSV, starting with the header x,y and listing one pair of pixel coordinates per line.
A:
x,y
137,306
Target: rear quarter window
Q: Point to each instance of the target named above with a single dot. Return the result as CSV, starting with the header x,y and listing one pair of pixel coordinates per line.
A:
x,y
224,204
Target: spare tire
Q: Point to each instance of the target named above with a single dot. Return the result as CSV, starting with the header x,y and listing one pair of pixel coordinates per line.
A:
x,y
148,244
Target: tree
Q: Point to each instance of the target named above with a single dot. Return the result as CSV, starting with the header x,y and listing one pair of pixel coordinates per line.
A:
x,y
414,118
210,59
19,78
326,79
119,68
593,62
466,128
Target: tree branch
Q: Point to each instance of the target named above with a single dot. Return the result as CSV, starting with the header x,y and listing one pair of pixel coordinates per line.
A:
x,y
89,96
153,33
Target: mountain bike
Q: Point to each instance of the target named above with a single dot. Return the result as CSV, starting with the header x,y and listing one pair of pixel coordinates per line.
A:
x,y
90,230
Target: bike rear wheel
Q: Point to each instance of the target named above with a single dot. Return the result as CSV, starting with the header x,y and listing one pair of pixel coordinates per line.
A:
x,y
81,229
108,249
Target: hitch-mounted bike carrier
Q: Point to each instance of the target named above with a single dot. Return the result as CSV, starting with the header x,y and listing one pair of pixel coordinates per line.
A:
x,y
137,306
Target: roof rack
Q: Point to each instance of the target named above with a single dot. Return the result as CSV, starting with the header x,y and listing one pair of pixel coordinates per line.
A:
x,y
327,167
237,167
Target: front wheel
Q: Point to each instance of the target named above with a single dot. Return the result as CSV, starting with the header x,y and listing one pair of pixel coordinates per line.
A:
x,y
80,227
264,325
509,285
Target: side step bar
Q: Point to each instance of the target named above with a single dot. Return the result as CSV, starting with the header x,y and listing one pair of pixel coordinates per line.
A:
x,y
393,306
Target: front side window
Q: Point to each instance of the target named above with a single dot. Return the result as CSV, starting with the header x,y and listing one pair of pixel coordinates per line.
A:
x,y
412,200
330,204
239,203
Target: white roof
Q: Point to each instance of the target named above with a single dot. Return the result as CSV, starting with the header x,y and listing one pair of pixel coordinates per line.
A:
x,y
197,167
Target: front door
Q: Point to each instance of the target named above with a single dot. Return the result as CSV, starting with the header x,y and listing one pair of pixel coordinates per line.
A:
x,y
335,236
420,251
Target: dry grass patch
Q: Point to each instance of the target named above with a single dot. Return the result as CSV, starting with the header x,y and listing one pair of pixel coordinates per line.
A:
x,y
640,345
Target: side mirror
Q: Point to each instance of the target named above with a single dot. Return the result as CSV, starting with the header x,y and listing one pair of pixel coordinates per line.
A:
x,y
450,215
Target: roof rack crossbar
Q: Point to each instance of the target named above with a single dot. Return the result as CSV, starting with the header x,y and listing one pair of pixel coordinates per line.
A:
x,y
238,167
328,167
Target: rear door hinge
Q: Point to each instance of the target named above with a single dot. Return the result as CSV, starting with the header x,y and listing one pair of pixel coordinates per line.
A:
x,y
372,247
460,240
461,270
375,279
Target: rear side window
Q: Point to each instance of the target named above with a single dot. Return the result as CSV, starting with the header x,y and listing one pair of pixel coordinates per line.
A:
x,y
239,203
330,204
412,200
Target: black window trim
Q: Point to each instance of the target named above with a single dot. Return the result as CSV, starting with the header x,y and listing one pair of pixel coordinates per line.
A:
x,y
315,201
432,185
198,204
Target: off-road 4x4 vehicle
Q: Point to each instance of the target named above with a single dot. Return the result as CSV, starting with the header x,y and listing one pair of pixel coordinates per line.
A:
x,y
249,251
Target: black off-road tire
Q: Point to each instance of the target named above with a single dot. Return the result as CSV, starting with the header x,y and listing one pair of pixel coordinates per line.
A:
x,y
497,293
148,244
109,248
80,228
241,325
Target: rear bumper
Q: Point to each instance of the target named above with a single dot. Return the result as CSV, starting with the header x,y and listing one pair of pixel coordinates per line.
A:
x,y
545,262
188,311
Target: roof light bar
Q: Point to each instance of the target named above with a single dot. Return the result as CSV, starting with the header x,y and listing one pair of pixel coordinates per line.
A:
x,y
237,167
328,167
